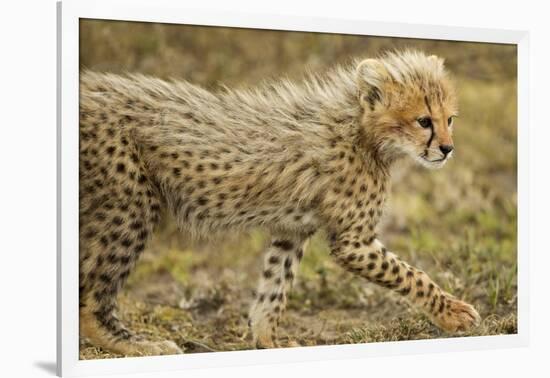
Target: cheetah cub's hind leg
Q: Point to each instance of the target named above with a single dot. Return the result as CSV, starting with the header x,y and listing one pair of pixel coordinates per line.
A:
x,y
279,269
112,237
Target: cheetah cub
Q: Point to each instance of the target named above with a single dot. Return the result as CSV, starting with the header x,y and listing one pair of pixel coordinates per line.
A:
x,y
291,157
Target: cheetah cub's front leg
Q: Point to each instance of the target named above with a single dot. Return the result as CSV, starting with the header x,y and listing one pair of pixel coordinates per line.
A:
x,y
280,266
370,259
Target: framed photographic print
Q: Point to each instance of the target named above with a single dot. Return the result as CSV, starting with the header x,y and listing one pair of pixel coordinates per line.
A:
x,y
241,189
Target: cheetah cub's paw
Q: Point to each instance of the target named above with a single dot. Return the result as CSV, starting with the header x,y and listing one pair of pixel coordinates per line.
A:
x,y
457,316
154,348
265,343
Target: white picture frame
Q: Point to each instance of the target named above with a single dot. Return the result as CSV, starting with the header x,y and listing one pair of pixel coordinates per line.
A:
x,y
69,13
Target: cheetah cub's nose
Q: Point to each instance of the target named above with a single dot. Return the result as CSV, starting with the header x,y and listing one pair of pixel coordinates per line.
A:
x,y
446,149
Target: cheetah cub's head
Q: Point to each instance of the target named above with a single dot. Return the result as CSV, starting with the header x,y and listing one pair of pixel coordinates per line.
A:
x,y
408,106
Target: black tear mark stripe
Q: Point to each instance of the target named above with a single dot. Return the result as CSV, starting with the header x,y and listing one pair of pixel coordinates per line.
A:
x,y
432,134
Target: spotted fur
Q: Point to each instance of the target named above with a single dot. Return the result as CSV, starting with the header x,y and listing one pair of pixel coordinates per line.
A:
x,y
291,157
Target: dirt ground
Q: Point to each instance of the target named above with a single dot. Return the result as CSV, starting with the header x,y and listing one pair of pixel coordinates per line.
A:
x,y
459,224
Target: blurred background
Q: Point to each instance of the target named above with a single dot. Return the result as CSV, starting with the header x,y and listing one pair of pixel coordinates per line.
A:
x,y
459,224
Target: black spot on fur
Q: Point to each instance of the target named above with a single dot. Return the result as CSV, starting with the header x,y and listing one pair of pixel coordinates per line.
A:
x,y
126,242
137,225
285,245
288,263
117,221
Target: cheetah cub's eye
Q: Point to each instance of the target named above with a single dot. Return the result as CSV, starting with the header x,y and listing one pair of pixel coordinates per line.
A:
x,y
450,121
425,122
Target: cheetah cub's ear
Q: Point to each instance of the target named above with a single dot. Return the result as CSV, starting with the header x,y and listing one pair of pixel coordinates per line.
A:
x,y
371,76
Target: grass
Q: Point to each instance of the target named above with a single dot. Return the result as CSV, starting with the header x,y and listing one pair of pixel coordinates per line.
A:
x,y
459,224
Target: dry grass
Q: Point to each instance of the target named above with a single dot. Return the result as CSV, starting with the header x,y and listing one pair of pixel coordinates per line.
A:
x,y
459,224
